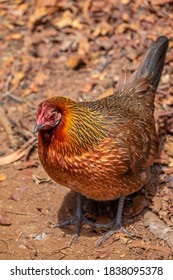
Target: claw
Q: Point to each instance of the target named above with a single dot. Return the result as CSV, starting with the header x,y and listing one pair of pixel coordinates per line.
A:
x,y
79,219
111,232
117,225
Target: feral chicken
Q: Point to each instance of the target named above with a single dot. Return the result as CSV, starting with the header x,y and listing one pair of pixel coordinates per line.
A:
x,y
103,149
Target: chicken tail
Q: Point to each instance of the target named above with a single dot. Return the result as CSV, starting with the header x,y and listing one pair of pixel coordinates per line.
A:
x,y
152,65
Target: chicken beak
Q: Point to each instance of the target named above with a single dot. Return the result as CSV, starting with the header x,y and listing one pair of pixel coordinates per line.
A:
x,y
37,127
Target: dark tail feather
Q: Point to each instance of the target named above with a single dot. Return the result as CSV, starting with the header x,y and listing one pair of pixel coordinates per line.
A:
x,y
153,63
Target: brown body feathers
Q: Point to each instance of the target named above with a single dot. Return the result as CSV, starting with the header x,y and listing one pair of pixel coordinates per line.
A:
x,y
103,149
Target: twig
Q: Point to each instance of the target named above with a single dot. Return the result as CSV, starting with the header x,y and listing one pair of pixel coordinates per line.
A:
x,y
6,124
8,91
12,96
20,213
9,79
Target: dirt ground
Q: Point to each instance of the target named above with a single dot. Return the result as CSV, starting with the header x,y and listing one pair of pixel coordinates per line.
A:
x,y
76,49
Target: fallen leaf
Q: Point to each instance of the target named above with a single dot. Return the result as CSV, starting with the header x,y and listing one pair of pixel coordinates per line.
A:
x,y
18,77
105,28
14,36
74,61
45,3
159,228
96,32
39,180
85,8
165,79
4,219
159,2
27,164
77,23
16,196
107,92
36,16
105,42
84,47
149,246
157,203
139,204
23,7
27,91
88,87
125,16
40,79
3,177
17,154
64,21
102,254
2,13
125,2
169,148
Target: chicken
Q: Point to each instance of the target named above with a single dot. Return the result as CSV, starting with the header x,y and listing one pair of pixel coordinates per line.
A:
x,y
103,149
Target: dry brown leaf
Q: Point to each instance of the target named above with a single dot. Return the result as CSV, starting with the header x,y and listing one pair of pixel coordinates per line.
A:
x,y
85,8
125,2
125,16
77,24
84,47
2,13
107,92
165,79
39,180
16,1
14,36
160,2
149,246
88,87
4,219
158,228
32,89
3,177
17,154
45,3
26,91
96,32
103,29
40,79
36,16
74,61
139,204
121,28
50,6
23,7
169,148
157,203
16,196
102,254
18,77
64,21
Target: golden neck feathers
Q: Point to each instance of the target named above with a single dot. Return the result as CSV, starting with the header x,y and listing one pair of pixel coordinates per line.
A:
x,y
79,130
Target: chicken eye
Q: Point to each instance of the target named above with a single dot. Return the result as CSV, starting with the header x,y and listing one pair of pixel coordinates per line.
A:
x,y
52,115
